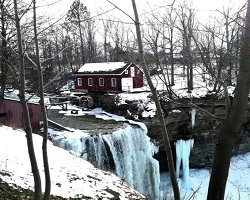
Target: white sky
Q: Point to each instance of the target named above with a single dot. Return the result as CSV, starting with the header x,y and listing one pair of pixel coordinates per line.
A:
x,y
204,8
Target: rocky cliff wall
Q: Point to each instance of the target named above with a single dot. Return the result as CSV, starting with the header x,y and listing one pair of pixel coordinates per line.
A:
x,y
209,115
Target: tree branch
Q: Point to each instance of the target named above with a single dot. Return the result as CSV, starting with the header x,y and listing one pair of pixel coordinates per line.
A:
x,y
121,10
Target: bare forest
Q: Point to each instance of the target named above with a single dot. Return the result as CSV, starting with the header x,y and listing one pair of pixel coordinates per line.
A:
x,y
172,37
39,54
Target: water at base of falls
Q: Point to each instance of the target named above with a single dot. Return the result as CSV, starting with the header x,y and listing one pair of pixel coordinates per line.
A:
x,y
128,152
183,149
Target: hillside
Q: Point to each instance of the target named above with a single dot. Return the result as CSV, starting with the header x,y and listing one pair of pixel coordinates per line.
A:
x,y
72,177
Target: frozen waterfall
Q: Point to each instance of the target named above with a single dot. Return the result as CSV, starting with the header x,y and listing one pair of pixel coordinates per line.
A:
x,y
183,149
128,152
193,113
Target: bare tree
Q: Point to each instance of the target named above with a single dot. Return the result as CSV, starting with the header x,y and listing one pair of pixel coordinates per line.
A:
x,y
106,27
186,27
5,55
162,43
117,51
26,116
232,29
105,36
163,26
233,120
218,47
4,67
91,45
76,16
158,107
44,113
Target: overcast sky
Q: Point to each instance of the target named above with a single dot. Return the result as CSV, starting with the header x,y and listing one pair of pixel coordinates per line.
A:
x,y
204,7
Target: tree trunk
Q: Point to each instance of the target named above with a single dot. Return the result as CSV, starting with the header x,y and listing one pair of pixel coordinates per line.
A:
x,y
233,122
81,38
158,106
4,57
28,129
172,57
44,114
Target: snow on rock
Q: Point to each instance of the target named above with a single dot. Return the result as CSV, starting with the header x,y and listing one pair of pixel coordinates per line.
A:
x,y
71,176
145,104
98,112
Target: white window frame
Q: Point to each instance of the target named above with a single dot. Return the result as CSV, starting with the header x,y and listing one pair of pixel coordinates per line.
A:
x,y
90,82
79,81
113,82
101,81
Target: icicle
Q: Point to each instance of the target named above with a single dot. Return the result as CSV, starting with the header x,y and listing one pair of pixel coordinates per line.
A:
x,y
183,149
193,113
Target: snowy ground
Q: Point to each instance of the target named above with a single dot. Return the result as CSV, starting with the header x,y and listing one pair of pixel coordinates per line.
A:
x,y
238,184
14,161
71,176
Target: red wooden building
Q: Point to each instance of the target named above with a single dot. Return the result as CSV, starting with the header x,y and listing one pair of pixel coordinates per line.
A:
x,y
12,114
108,77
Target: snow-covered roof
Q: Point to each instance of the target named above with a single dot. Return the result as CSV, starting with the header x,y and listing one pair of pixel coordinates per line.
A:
x,y
103,68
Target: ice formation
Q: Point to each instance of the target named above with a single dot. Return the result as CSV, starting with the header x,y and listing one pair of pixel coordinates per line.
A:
x,y
128,152
183,149
193,113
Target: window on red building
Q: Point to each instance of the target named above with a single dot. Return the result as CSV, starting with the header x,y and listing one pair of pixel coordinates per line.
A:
x,y
113,82
101,82
90,82
79,81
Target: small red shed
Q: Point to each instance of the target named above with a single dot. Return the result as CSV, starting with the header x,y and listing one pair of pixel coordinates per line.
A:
x,y
12,114
108,77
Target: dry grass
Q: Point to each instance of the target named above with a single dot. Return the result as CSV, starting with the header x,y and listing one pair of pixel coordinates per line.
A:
x,y
15,192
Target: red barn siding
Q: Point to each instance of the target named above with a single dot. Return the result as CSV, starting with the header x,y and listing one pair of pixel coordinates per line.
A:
x,y
14,114
137,81
95,87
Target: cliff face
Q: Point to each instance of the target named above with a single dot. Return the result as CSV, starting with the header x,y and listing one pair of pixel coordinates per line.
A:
x,y
203,126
